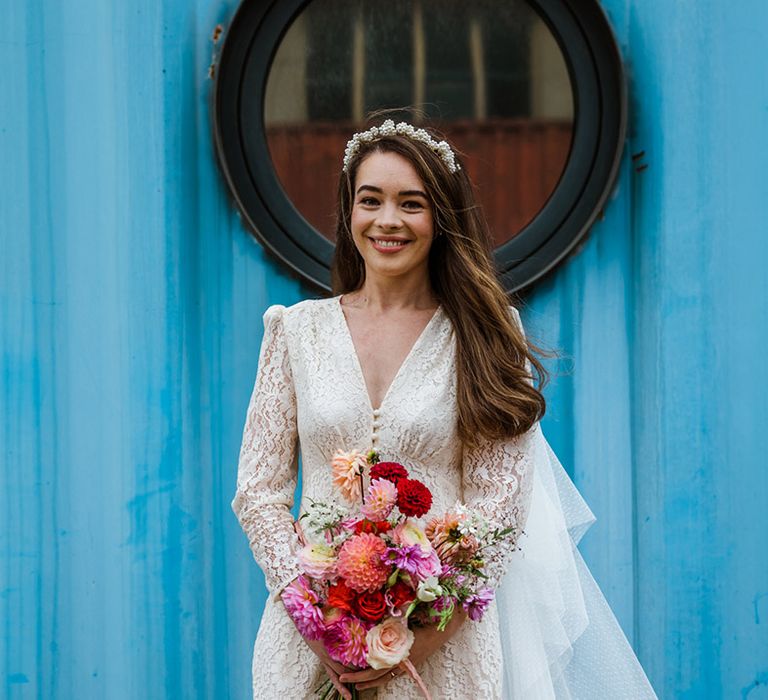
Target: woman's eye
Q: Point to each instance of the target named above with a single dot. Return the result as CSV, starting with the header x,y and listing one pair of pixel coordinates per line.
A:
x,y
369,201
413,204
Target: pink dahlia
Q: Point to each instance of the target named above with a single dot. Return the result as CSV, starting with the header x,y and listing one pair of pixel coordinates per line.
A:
x,y
381,499
362,562
302,604
345,642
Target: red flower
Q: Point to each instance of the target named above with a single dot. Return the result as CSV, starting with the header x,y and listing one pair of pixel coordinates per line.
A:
x,y
413,498
388,470
365,525
341,596
374,528
371,606
401,593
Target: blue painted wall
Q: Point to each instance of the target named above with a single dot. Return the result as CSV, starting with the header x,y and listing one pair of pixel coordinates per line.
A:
x,y
130,305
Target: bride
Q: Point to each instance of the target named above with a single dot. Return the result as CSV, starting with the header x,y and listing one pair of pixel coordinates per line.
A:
x,y
420,357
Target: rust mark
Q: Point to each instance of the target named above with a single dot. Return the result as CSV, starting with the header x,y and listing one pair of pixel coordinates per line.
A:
x,y
212,71
640,168
638,155
217,31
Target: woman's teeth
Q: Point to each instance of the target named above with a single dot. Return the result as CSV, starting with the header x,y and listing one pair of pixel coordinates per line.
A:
x,y
389,244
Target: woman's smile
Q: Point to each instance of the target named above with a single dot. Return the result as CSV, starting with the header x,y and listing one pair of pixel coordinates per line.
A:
x,y
389,245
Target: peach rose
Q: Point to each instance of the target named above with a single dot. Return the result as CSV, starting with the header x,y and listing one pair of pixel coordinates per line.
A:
x,y
388,643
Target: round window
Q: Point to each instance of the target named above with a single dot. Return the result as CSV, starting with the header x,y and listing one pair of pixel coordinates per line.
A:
x,y
531,92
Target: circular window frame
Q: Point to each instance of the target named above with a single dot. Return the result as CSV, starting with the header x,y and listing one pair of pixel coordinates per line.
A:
x,y
600,120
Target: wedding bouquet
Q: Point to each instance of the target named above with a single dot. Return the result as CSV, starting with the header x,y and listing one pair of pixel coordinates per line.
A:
x,y
373,572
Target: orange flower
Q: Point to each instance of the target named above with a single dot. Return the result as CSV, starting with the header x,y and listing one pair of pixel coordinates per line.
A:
x,y
346,468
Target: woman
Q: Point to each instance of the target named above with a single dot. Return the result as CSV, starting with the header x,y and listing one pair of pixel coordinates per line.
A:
x,y
420,357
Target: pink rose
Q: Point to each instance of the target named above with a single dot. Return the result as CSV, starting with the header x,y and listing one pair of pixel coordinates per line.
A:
x,y
388,643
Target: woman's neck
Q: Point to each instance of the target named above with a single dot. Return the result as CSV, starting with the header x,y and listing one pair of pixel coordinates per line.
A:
x,y
386,294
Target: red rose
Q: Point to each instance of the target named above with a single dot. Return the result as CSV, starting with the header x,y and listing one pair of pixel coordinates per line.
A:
x,y
391,471
413,498
371,606
401,593
341,596
365,526
374,528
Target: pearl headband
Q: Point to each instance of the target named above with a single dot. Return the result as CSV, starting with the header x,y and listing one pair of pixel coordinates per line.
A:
x,y
388,128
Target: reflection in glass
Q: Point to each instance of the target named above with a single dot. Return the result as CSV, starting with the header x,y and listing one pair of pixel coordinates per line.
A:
x,y
489,74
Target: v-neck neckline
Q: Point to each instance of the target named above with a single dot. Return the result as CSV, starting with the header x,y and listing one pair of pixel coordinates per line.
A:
x,y
400,369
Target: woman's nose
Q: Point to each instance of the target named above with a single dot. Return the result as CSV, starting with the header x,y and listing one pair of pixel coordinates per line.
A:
x,y
389,217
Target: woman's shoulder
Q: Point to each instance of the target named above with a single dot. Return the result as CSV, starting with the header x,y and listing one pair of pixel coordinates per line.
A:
x,y
300,314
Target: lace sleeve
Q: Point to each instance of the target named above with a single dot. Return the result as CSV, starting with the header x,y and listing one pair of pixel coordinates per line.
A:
x,y
268,469
497,481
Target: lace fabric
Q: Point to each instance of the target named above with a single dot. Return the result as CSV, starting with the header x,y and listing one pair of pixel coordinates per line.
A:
x,y
310,392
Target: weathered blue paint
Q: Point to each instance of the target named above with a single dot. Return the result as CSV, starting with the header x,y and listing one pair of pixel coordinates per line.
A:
x,y
130,319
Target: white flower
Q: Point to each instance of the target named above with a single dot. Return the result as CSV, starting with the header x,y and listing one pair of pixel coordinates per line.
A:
x,y
429,590
388,128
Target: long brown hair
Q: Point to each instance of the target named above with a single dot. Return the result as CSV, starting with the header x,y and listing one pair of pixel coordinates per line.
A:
x,y
496,394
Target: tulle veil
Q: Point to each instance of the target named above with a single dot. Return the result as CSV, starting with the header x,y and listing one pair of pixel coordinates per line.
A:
x,y
559,636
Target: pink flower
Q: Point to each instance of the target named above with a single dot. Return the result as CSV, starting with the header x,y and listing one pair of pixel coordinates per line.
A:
x,y
346,468
318,560
476,604
388,643
381,499
345,642
302,604
362,562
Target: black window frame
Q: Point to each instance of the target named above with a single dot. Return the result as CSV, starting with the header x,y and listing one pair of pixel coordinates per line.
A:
x,y
594,63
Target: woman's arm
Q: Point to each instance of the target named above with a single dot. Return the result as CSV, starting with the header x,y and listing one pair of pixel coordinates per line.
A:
x,y
268,470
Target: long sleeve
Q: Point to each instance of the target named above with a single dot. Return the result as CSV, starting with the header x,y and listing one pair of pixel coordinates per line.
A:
x,y
268,468
497,481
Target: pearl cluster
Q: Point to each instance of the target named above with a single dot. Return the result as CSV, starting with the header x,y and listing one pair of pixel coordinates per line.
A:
x,y
389,128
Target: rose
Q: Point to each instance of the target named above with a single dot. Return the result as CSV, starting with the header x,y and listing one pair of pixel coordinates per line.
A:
x,y
375,528
409,533
413,498
341,596
401,593
392,471
371,606
388,644
317,560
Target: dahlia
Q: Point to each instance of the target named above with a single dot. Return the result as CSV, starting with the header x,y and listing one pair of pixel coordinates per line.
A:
x,y
361,562
413,498
346,468
392,471
302,604
382,495
345,642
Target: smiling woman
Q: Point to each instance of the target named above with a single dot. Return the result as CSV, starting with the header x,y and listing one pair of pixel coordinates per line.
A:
x,y
420,361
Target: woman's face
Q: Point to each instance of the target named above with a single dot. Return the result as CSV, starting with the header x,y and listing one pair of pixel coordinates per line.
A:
x,y
392,220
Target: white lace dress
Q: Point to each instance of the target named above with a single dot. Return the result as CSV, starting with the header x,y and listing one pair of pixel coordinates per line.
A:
x,y
310,395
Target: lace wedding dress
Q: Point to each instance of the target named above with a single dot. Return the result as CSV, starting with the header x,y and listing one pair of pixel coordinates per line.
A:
x,y
548,634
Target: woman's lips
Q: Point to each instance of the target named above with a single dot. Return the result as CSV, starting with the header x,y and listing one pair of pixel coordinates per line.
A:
x,y
388,245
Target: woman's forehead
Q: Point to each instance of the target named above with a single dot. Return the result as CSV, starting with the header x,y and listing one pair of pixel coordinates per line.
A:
x,y
385,169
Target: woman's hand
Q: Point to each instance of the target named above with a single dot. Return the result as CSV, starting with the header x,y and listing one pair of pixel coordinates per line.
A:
x,y
333,668
427,641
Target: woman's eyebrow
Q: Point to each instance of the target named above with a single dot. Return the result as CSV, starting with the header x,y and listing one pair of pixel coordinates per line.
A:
x,y
402,193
